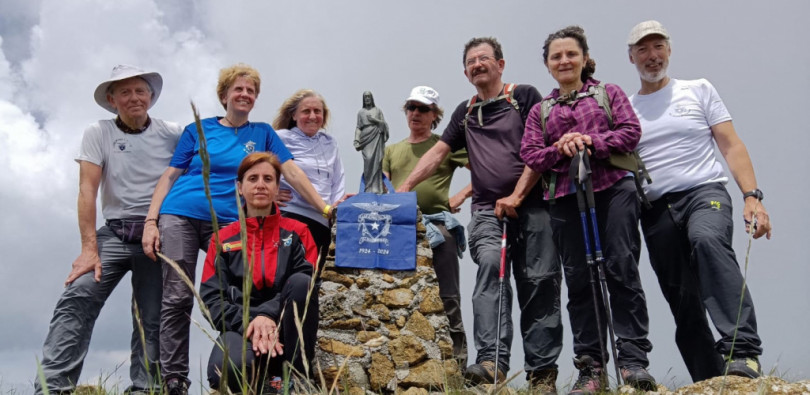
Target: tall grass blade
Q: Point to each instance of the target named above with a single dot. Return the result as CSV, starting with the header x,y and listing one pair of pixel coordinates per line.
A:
x,y
752,228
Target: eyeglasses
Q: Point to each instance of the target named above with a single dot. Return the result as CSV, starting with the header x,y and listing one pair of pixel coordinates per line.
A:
x,y
414,107
483,59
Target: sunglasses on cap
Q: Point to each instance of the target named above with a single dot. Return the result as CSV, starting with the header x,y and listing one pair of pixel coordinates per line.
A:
x,y
416,107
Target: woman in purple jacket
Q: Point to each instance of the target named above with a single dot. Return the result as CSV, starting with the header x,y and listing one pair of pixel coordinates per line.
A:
x,y
576,122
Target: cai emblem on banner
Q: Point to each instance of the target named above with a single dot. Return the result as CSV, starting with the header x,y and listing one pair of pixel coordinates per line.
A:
x,y
377,232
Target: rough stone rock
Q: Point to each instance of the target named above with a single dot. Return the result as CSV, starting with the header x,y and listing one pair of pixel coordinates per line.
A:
x,y
453,376
401,321
393,331
388,278
381,311
364,336
357,374
373,323
411,280
329,374
427,375
351,323
424,261
431,302
357,391
406,349
412,391
419,326
362,282
446,348
380,372
331,275
337,347
398,297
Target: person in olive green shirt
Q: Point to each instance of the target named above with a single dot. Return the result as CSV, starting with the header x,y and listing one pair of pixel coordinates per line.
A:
x,y
445,234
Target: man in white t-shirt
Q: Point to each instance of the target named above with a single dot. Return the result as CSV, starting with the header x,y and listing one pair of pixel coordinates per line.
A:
x,y
124,157
688,230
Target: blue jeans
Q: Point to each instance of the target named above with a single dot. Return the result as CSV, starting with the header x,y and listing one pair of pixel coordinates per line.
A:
x,y
76,312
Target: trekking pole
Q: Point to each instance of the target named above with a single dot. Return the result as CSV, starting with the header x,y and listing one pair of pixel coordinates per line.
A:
x,y
581,172
501,275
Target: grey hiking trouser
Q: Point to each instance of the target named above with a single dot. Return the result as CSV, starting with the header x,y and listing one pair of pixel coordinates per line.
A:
x,y
617,211
76,312
536,267
181,239
445,263
688,236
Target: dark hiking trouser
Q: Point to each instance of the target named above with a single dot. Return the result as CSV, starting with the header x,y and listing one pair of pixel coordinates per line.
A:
x,y
76,312
617,211
536,267
295,290
181,239
688,236
445,263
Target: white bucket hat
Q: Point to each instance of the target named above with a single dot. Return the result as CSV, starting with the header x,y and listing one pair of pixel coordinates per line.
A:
x,y
122,72
425,95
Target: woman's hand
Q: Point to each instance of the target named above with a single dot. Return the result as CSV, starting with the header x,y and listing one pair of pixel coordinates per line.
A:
x,y
263,333
151,240
571,143
284,196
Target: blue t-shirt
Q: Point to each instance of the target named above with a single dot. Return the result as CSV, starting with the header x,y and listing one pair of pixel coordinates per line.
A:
x,y
227,147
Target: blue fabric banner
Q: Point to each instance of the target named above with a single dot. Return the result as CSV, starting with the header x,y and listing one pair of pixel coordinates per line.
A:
x,y
377,232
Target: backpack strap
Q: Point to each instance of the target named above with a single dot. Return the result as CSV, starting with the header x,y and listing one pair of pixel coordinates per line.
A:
x,y
549,177
599,92
473,103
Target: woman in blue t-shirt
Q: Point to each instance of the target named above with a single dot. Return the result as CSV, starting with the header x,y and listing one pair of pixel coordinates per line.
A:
x,y
184,225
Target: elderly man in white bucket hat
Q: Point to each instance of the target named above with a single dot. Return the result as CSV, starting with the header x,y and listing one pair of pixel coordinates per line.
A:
x,y
125,157
688,229
448,242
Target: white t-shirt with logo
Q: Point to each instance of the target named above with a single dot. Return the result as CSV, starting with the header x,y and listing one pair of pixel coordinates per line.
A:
x,y
677,144
131,163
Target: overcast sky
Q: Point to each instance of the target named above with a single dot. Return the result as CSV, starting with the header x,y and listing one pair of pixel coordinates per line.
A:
x,y
54,53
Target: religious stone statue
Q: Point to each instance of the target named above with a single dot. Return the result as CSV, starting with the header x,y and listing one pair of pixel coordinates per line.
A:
x,y
370,138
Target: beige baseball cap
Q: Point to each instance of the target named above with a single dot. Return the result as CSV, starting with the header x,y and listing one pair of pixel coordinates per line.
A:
x,y
644,29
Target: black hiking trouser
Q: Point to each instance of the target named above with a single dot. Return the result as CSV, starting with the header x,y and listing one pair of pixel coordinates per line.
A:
x,y
262,367
617,210
688,236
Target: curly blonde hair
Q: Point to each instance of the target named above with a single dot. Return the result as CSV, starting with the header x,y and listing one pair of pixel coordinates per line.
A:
x,y
284,118
228,76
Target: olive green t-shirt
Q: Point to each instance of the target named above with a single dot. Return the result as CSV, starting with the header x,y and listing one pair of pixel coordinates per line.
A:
x,y
432,194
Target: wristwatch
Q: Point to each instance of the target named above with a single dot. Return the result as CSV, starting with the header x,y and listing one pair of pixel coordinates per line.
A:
x,y
757,193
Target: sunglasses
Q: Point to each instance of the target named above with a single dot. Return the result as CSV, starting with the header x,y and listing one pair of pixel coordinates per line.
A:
x,y
421,109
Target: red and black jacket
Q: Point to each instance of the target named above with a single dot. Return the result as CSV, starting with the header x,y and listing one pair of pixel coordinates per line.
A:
x,y
276,248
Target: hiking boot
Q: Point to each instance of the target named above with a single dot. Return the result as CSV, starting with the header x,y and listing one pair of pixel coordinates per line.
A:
x,y
590,379
542,381
638,378
744,367
483,373
176,386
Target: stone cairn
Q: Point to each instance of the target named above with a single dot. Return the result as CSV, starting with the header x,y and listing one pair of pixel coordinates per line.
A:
x,y
385,331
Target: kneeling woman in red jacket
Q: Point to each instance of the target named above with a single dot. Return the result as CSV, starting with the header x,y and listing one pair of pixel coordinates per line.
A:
x,y
282,255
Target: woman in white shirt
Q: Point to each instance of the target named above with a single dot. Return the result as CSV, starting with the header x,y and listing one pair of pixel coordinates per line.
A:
x,y
300,123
